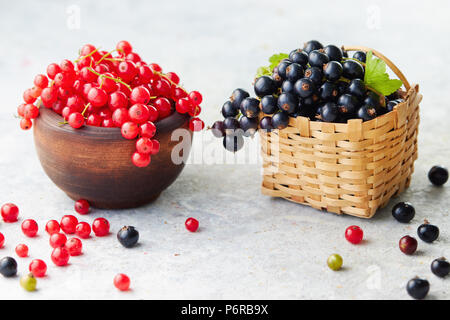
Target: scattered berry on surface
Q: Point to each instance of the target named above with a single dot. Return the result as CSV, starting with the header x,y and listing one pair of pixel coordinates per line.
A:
x,y
403,212
38,268
82,206
52,226
440,267
60,256
8,267
83,230
57,240
22,250
29,228
28,282
408,245
100,226
438,175
418,288
128,236
122,282
428,232
335,262
191,224
354,234
68,224
10,212
74,246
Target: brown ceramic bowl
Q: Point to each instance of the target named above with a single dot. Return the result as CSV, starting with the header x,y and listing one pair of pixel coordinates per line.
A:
x,y
94,163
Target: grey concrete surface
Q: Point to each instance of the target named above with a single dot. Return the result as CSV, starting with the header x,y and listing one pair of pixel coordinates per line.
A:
x,y
249,246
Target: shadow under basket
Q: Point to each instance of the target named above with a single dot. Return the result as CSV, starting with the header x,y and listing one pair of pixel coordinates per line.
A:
x,y
352,168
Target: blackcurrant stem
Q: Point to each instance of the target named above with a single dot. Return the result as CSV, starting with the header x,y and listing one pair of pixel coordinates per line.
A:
x,y
88,55
108,77
107,54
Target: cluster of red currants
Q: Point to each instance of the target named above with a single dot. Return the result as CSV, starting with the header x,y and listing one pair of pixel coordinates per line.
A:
x,y
112,89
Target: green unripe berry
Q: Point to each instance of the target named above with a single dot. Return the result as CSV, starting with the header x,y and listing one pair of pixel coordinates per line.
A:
x,y
28,282
335,262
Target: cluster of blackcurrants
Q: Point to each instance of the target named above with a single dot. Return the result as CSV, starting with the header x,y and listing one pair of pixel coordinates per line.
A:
x,y
321,83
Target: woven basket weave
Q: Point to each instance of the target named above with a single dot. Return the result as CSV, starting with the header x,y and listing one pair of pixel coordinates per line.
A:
x,y
352,168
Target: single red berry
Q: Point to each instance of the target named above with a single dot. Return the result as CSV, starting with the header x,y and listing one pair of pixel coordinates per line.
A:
x,y
155,67
191,224
38,268
82,206
162,87
195,111
10,212
65,80
66,65
195,124
117,100
124,47
75,102
178,93
129,130
139,113
120,116
52,70
29,228
28,97
147,129
52,227
133,56
155,146
172,76
60,256
153,113
88,49
94,120
144,145
97,97
20,109
83,230
68,224
145,74
30,111
354,234
122,282
41,81
106,83
163,106
183,105
74,246
87,75
408,245
127,70
140,95
35,92
195,97
57,240
75,119
2,240
49,96
141,160
100,226
22,250
25,124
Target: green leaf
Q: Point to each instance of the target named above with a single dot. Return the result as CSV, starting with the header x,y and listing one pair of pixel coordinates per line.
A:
x,y
274,61
377,78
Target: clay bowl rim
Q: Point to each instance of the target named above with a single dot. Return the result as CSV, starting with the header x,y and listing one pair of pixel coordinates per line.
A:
x,y
52,119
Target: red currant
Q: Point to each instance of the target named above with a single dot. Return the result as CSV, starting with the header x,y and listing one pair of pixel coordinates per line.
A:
x,y
195,124
49,96
147,129
140,95
354,234
144,145
153,114
122,282
29,228
184,105
74,246
10,212
75,102
82,206
52,70
57,240
140,159
66,65
162,87
41,81
60,256
22,250
2,240
195,111
87,75
52,227
97,97
117,100
27,96
20,109
155,146
120,116
139,113
196,97
127,70
88,49
132,56
68,224
191,224
38,268
25,124
64,80
30,111
83,230
129,130
107,123
155,67
145,74
124,47
100,226
178,93
35,92
94,120
76,119
172,76
163,106
107,84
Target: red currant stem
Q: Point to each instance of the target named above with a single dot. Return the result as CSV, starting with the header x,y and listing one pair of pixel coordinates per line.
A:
x,y
39,103
88,55
61,123
85,108
115,59
108,77
102,58
173,83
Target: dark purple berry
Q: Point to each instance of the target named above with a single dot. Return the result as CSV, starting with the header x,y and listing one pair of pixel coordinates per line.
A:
x,y
438,175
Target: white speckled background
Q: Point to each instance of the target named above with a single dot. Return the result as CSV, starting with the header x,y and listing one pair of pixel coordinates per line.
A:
x,y
249,245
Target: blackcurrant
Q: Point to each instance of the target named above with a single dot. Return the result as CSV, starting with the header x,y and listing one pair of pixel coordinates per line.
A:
x,y
280,120
438,175
328,91
372,99
357,88
311,100
393,96
318,58
264,85
315,75
390,105
266,124
403,212
233,142
347,104
288,102
230,124
294,72
282,66
237,96
312,45
269,104
276,77
304,87
366,112
418,288
428,232
128,236
228,110
299,56
440,267
288,86
332,70
305,110
218,129
250,107
360,55
342,87
329,112
8,267
353,70
333,52
249,125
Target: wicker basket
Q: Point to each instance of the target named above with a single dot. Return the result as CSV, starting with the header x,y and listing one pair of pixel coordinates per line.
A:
x,y
352,168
